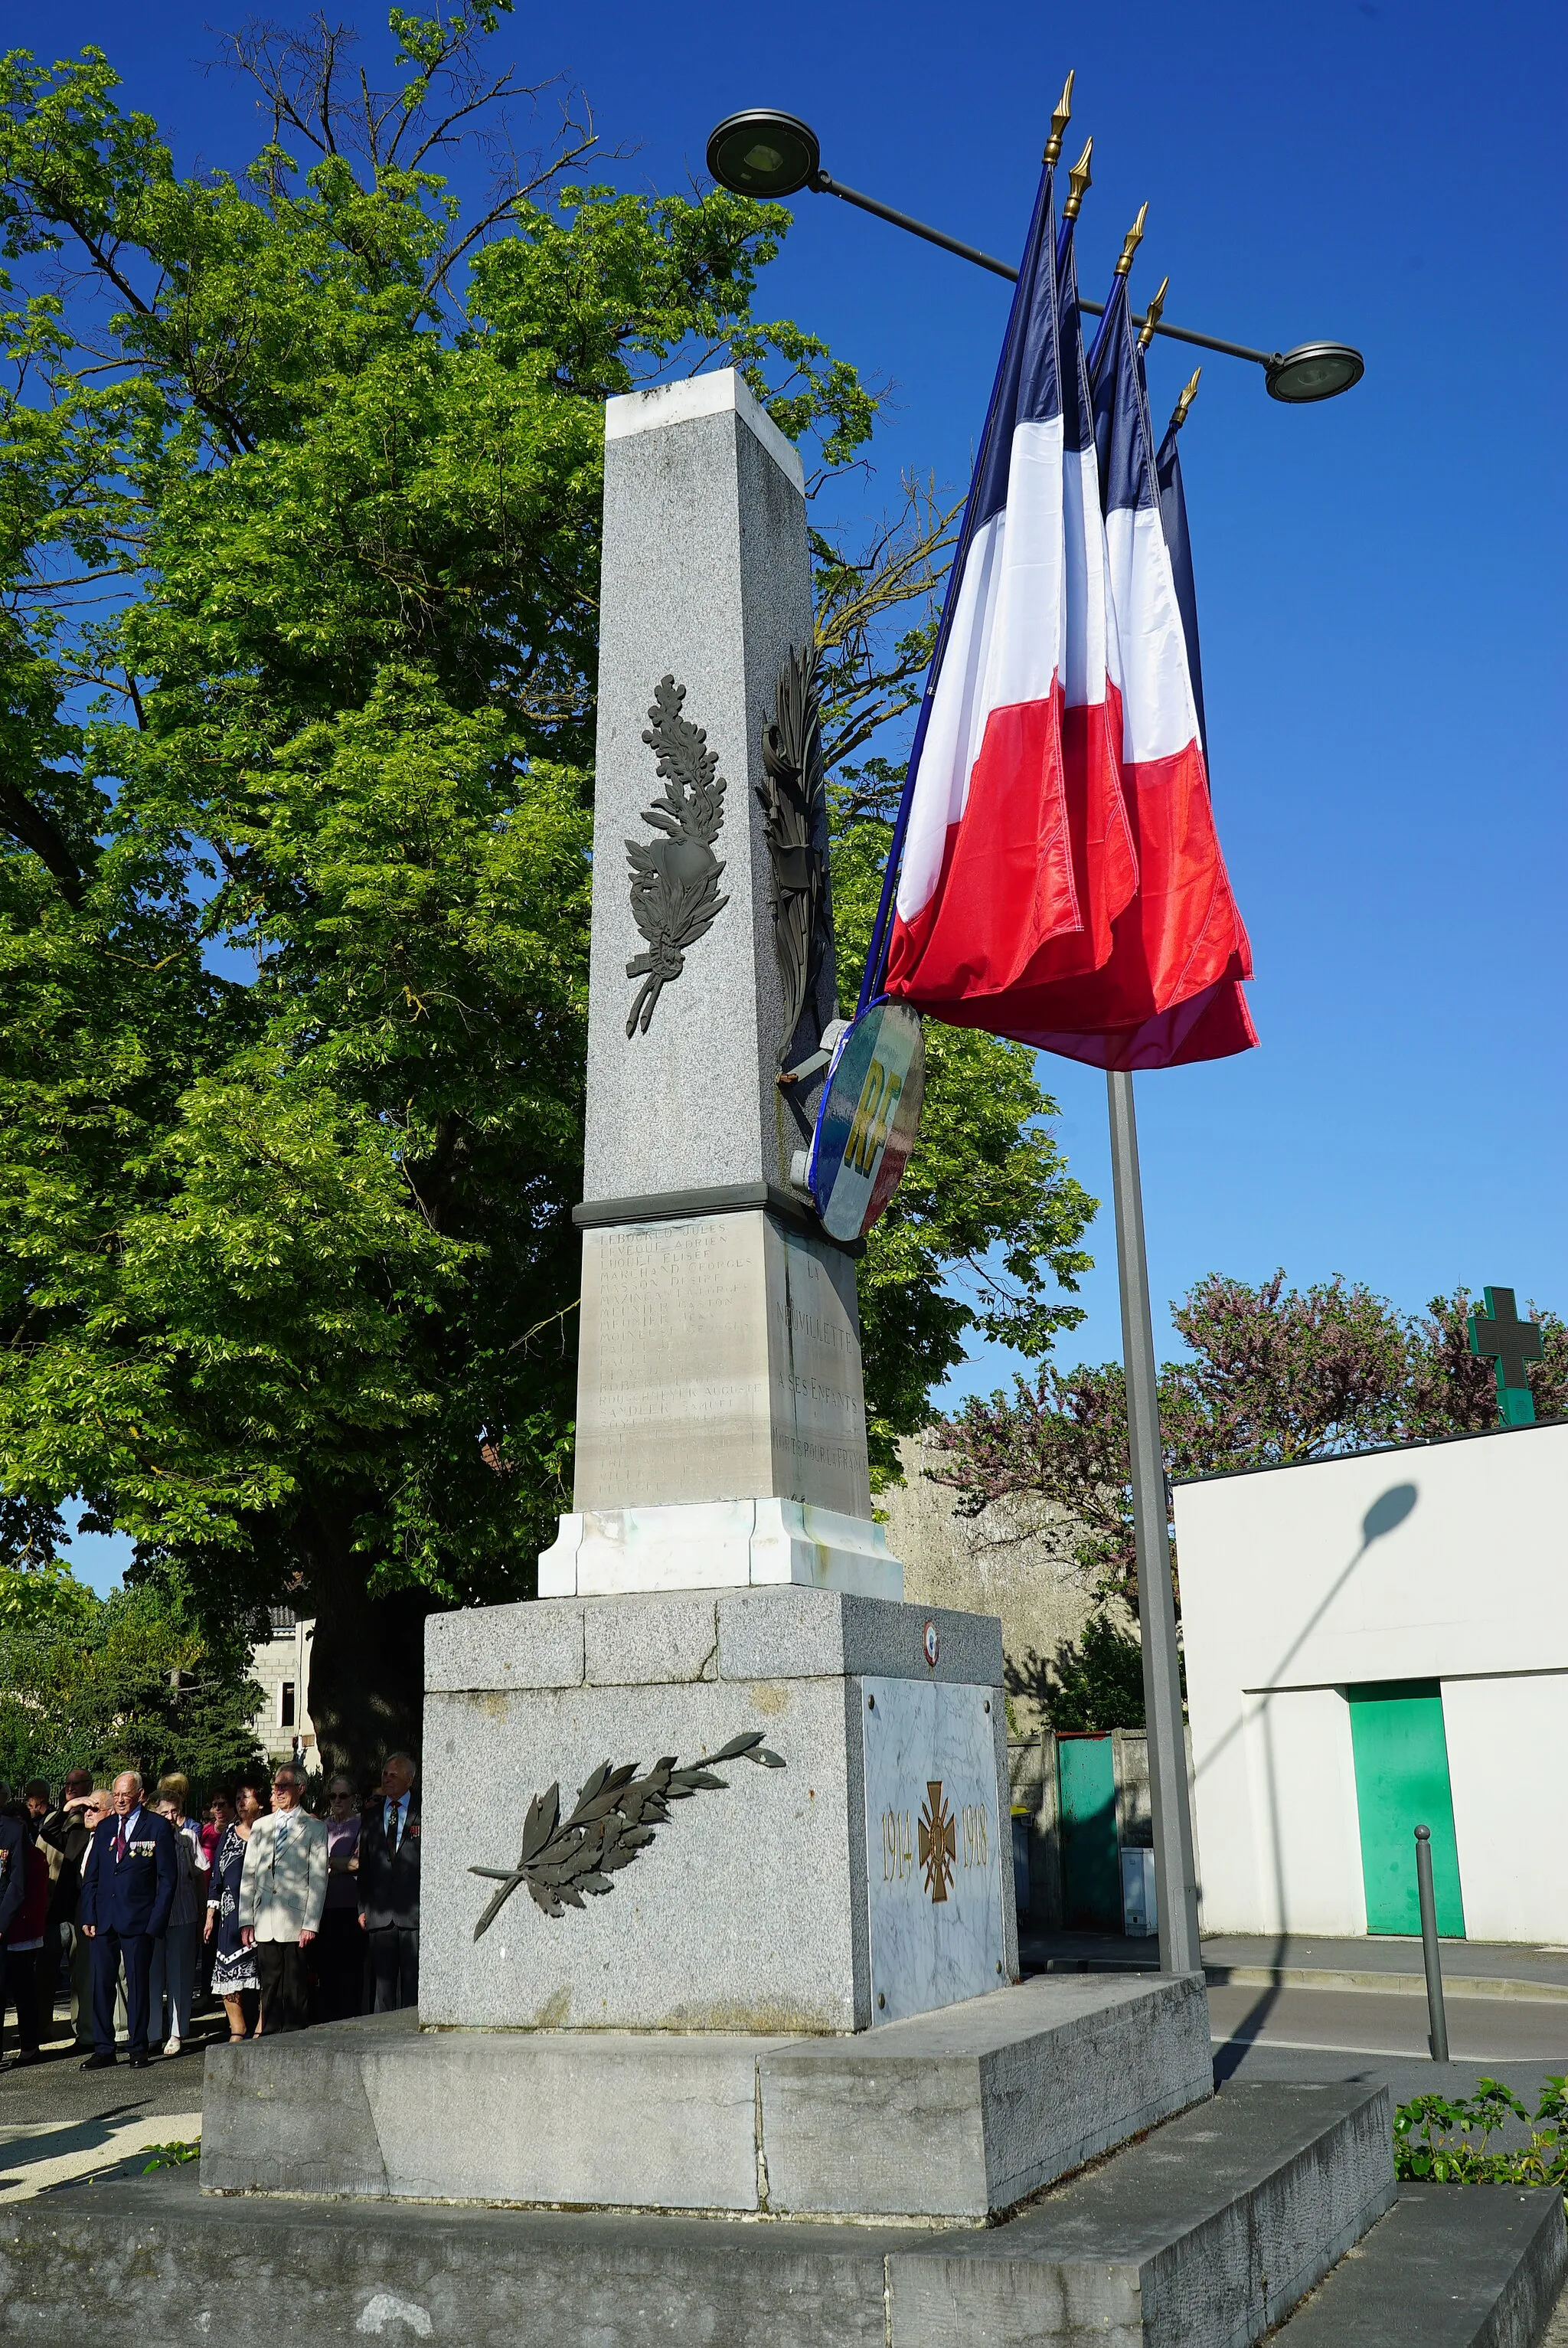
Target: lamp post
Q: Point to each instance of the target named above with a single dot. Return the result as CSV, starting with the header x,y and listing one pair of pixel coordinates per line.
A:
x,y
763,153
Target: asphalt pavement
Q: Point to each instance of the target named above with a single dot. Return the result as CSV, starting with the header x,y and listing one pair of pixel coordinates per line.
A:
x,y
1390,2022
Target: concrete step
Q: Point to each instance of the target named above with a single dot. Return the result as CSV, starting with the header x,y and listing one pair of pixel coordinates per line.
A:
x,y
959,2114
1202,2235
1199,2235
1450,2266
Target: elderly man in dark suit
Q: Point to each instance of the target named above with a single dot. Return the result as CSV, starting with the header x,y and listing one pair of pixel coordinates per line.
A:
x,y
128,1879
389,1885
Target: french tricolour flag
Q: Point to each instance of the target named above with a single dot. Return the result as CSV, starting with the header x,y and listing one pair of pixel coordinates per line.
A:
x,y
1018,852
1169,991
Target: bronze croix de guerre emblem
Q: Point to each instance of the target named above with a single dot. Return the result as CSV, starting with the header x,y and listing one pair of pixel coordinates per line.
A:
x,y
939,1842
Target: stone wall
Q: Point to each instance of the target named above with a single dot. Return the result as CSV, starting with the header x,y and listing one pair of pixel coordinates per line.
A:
x,y
1014,1561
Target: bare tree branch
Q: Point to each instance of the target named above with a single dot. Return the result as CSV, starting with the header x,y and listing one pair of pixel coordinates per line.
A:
x,y
865,682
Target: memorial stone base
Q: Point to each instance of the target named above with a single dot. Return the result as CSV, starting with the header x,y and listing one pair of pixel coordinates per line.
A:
x,y
952,2117
1267,2207
720,1355
853,1869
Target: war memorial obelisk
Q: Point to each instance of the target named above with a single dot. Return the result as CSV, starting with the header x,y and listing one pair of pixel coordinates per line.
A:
x,y
718,1911
721,1413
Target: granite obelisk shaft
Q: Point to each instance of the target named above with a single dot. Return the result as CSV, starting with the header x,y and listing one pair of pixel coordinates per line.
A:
x,y
720,1435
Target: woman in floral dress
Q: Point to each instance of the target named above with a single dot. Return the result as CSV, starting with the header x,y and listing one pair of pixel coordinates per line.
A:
x,y
234,1976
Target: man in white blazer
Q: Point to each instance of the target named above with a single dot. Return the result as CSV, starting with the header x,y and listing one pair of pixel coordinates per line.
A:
x,y
283,1890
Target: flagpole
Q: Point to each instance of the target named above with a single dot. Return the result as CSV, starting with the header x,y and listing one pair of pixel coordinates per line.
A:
x,y
1175,1870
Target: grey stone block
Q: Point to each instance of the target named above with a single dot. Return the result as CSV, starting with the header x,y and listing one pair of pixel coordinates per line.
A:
x,y
1193,2248
963,2113
532,1644
739,1915
651,1640
781,1631
955,2116
799,1633
159,2264
719,1360
656,2121
1202,2236
706,576
1453,2266
750,1908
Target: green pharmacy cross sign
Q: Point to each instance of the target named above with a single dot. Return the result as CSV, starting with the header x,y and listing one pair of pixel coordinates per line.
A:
x,y
1500,1333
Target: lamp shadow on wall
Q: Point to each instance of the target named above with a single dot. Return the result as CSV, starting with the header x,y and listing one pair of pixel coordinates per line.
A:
x,y
1386,1513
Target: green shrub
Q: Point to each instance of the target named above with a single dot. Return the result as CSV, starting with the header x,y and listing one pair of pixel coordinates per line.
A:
x,y
1447,2141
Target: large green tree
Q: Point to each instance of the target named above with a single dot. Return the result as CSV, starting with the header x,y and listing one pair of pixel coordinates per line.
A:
x,y
130,1681
299,484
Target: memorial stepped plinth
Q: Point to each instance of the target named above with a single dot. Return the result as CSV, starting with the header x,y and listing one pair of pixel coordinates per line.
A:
x,y
1204,2234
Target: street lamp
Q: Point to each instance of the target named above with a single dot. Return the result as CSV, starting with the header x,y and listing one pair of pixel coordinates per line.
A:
x,y
762,153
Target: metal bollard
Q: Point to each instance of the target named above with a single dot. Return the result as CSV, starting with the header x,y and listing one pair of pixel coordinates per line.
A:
x,y
1437,2019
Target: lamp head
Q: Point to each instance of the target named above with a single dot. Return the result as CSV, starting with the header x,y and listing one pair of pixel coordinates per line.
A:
x,y
1316,371
762,153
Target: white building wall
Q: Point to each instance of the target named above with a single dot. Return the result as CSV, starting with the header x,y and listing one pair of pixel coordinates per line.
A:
x,y
1505,1736
1445,1562
283,1661
1306,1837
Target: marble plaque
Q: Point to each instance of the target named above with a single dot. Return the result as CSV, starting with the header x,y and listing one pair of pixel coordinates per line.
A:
x,y
719,1360
934,1846
672,1367
817,1397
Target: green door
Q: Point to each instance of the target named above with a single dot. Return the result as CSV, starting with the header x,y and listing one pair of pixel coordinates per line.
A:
x,y
1091,1869
1401,1782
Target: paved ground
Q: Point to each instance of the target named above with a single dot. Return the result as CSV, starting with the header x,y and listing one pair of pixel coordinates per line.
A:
x,y
59,2124
1505,1968
1379,2037
1484,2030
1284,2009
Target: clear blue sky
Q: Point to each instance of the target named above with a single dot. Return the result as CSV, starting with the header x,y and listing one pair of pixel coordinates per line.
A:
x,y
1380,578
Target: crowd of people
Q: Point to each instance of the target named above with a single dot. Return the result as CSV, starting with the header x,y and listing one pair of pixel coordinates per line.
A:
x,y
285,1903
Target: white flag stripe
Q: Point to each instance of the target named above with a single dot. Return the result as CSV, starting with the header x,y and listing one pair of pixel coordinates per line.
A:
x,y
1159,716
1090,653
1005,646
957,718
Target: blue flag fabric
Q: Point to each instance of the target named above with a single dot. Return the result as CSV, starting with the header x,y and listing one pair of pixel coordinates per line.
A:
x,y
1174,519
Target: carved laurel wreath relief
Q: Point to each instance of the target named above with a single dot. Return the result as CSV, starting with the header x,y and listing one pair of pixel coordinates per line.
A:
x,y
675,894
617,1811
794,822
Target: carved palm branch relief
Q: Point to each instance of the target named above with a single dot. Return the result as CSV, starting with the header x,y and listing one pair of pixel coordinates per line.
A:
x,y
794,821
563,1863
674,878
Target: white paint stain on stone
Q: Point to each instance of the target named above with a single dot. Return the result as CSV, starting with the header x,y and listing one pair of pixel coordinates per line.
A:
x,y
385,2310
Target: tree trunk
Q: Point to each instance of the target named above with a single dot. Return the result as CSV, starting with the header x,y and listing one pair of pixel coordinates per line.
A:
x,y
367,1670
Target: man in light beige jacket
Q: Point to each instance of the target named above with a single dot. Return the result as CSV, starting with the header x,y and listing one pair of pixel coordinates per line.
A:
x,y
283,1890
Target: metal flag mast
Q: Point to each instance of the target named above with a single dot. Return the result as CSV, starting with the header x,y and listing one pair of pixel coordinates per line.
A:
x,y
761,152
